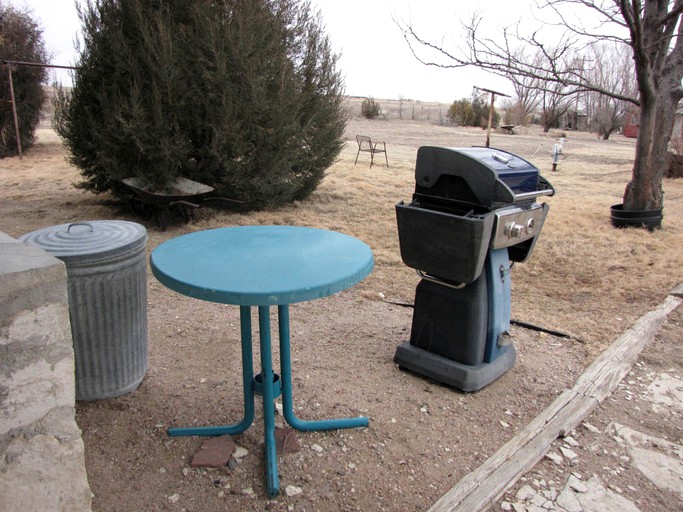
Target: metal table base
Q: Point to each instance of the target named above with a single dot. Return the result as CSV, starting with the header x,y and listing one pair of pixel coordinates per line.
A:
x,y
270,388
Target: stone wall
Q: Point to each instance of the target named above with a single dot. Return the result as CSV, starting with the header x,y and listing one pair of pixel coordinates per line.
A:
x,y
42,465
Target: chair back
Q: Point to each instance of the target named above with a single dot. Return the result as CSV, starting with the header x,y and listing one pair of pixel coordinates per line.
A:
x,y
364,142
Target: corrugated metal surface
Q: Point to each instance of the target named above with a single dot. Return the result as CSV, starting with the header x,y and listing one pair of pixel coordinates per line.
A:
x,y
107,279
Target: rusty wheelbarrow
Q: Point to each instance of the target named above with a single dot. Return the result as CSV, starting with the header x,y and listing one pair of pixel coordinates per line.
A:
x,y
181,194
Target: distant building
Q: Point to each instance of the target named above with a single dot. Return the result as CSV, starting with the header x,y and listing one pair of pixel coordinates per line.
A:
x,y
576,120
676,143
632,120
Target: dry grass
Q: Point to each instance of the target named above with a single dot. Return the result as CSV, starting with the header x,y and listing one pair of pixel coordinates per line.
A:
x,y
584,278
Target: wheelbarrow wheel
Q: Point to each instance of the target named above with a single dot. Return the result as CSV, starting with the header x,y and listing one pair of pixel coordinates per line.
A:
x,y
141,209
162,216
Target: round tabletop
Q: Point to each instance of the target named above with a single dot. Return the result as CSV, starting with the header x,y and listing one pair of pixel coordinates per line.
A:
x,y
261,265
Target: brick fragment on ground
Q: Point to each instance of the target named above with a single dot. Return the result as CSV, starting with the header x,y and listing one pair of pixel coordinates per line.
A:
x,y
286,441
214,452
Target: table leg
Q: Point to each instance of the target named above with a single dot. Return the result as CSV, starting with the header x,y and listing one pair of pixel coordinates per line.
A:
x,y
272,479
287,401
248,387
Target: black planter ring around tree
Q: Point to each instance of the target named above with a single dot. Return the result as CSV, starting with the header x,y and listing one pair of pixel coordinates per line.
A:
x,y
648,219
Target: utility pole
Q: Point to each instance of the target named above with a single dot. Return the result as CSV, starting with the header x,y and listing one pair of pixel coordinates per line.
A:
x,y
493,98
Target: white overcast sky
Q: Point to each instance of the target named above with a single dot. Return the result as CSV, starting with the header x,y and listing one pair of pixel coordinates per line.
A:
x,y
375,60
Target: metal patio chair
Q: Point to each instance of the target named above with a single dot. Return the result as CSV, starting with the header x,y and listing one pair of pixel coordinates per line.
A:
x,y
365,144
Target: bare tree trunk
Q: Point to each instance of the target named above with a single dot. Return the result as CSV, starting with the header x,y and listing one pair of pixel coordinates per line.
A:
x,y
644,191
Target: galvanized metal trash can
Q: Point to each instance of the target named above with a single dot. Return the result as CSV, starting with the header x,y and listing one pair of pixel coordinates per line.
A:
x,y
107,282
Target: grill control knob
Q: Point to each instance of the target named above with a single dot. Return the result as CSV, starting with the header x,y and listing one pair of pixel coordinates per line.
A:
x,y
514,230
530,225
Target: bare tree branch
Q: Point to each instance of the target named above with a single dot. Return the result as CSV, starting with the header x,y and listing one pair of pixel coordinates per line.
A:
x,y
650,29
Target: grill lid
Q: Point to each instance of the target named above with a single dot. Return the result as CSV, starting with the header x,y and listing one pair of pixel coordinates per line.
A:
x,y
477,175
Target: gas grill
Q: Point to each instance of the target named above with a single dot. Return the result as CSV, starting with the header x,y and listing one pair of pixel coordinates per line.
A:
x,y
474,211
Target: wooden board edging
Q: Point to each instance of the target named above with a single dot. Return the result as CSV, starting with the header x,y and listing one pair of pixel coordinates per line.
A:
x,y
478,490
678,291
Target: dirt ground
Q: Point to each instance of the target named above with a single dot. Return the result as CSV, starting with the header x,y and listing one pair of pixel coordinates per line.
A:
x,y
585,279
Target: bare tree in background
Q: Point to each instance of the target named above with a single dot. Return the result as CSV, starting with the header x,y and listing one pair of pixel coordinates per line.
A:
x,y
555,103
527,91
514,113
610,66
650,28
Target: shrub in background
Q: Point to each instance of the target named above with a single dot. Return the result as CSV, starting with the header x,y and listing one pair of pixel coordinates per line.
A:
x,y
461,113
370,109
20,40
481,113
471,113
242,95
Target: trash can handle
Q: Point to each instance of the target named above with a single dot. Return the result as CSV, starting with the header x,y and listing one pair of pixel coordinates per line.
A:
x,y
68,230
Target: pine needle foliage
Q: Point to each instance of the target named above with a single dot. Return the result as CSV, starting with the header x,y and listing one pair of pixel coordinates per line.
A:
x,y
20,40
242,95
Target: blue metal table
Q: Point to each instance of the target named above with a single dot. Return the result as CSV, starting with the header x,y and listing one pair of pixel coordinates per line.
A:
x,y
263,266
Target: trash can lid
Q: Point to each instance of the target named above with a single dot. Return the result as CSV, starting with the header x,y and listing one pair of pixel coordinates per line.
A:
x,y
88,241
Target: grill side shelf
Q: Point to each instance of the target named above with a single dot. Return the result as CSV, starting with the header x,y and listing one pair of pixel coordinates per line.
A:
x,y
447,246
